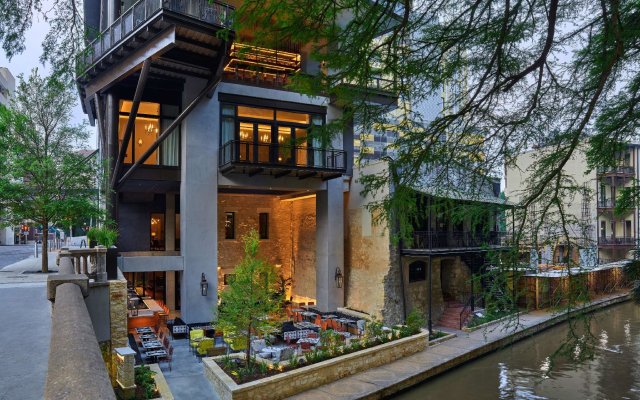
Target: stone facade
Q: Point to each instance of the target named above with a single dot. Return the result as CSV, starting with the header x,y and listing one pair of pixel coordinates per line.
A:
x,y
118,315
417,293
456,279
291,242
299,380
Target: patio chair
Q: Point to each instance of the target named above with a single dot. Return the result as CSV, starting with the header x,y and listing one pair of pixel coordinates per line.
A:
x,y
169,357
178,331
194,337
204,346
165,342
286,353
216,351
237,343
258,345
305,347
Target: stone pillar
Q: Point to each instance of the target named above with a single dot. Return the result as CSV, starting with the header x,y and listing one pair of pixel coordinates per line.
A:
x,y
170,285
329,245
101,264
199,205
170,222
124,358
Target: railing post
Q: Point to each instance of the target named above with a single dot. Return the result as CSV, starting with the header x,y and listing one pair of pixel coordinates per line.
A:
x,y
101,264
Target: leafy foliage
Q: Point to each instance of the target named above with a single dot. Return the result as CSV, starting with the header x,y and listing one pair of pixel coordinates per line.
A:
x,y
145,382
44,176
249,301
104,235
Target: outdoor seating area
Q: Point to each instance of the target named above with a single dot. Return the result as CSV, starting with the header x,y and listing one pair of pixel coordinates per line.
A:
x,y
153,344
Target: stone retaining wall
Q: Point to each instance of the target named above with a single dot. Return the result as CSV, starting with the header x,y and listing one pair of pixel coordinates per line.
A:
x,y
299,380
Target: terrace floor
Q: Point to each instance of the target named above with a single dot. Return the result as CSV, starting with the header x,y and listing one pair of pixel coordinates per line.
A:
x,y
186,378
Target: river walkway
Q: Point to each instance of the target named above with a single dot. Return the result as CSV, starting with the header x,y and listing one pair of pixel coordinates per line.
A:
x,y
391,378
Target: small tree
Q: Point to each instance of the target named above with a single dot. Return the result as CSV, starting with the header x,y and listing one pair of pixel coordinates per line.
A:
x,y
250,299
45,178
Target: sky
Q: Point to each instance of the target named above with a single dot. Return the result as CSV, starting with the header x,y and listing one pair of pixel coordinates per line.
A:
x,y
30,58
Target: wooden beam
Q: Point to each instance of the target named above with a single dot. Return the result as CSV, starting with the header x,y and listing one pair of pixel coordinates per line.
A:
x,y
215,79
152,49
281,174
256,171
307,175
142,81
100,118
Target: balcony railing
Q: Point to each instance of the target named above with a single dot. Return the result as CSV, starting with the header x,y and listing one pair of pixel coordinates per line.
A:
x,y
458,239
622,169
606,203
278,155
616,241
208,11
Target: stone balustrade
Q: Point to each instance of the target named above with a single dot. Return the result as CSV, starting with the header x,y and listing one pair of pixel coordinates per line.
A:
x,y
90,262
76,369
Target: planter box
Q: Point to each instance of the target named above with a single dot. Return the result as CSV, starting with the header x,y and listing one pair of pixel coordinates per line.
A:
x,y
311,376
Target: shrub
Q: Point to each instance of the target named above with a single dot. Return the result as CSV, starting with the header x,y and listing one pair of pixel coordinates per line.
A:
x,y
144,380
415,321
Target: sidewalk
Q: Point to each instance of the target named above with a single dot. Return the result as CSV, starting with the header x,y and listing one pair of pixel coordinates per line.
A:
x,y
391,378
15,273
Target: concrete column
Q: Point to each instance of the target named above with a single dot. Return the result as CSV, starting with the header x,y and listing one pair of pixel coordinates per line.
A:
x,y
199,206
170,222
329,245
170,285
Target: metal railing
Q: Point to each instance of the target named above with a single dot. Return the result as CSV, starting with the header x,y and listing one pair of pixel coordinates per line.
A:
x,y
469,307
616,241
375,82
278,155
457,239
622,169
606,203
209,11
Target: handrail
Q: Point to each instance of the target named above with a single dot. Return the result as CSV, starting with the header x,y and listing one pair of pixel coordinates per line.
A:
x,y
470,303
456,239
621,169
210,11
624,241
275,154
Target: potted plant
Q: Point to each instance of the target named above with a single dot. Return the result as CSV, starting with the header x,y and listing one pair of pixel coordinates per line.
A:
x,y
92,237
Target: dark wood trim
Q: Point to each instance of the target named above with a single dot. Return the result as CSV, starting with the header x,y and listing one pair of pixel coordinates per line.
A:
x,y
307,175
271,103
281,174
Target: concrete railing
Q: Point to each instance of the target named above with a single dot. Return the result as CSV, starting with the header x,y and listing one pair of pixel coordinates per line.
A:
x,y
91,262
76,369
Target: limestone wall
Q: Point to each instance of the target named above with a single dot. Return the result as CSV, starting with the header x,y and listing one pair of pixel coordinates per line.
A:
x,y
291,242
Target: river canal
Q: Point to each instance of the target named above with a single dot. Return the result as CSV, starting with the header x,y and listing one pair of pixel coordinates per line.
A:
x,y
523,370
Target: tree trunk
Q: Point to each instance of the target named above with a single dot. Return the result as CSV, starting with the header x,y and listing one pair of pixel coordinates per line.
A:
x,y
45,247
248,350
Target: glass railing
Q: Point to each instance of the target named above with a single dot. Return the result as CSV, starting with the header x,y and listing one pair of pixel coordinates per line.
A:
x,y
278,155
209,11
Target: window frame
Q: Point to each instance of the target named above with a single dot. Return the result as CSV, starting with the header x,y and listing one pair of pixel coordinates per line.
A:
x,y
263,226
232,236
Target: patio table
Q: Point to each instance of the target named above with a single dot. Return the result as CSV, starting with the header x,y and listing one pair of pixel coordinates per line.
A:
x,y
152,344
148,336
143,330
329,316
297,310
313,341
155,354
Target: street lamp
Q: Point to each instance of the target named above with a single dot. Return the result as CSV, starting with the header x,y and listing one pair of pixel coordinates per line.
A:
x,y
339,278
204,285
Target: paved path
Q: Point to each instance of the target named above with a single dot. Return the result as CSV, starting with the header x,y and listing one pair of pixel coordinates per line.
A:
x,y
388,379
187,380
13,254
25,331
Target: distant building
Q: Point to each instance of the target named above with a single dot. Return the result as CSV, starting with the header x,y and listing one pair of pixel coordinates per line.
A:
x,y
592,222
7,87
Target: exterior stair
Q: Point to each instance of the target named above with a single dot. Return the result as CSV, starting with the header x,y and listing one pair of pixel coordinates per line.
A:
x,y
451,316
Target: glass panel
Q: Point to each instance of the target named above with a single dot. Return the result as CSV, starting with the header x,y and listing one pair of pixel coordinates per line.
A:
x,y
302,155
227,130
264,143
246,141
288,116
169,110
147,130
157,232
145,107
122,125
171,146
285,141
263,225
317,120
228,110
253,112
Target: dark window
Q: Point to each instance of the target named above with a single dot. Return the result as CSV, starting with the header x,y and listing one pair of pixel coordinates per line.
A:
x,y
417,271
263,225
230,225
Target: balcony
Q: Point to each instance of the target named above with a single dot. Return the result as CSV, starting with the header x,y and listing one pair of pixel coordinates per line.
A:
x,y
439,242
606,203
261,66
622,170
179,37
612,241
277,160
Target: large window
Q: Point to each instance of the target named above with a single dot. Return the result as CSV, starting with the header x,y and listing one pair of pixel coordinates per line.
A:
x,y
230,225
263,225
157,232
151,120
270,136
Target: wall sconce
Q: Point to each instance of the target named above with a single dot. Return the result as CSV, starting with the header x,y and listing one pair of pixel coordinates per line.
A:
x,y
204,285
139,142
339,278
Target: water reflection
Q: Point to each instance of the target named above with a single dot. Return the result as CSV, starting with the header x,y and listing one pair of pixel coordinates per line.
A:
x,y
526,369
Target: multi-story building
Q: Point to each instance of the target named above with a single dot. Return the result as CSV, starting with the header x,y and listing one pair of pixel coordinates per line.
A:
x,y
7,87
592,222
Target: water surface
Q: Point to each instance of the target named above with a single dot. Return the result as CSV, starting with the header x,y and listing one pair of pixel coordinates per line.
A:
x,y
526,370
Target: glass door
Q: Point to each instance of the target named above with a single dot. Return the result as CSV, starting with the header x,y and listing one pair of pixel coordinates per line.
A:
x,y
264,143
285,141
302,155
245,148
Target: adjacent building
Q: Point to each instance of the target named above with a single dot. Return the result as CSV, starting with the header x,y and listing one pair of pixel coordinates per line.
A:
x,y
589,208
7,87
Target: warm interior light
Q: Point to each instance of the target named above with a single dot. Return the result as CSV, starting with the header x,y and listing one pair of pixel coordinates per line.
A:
x,y
139,142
